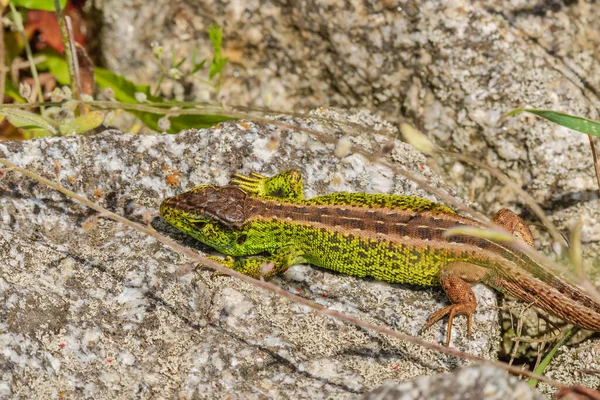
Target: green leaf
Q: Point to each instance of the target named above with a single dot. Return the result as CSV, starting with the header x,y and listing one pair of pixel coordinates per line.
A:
x,y
82,124
578,124
216,66
179,63
215,34
46,5
193,58
123,88
56,65
186,121
198,67
29,121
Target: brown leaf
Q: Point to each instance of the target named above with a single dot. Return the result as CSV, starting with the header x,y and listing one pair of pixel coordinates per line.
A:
x,y
86,70
46,23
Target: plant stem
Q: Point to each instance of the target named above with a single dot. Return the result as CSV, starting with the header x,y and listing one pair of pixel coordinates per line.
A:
x,y
19,23
2,66
595,157
68,51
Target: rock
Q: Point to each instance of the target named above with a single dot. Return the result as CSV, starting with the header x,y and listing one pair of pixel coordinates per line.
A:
x,y
90,308
480,382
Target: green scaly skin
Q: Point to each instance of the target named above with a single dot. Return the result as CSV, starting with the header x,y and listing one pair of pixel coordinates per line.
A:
x,y
289,243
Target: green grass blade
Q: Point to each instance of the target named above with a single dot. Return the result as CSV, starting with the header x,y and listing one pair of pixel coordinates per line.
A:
x,y
45,5
540,368
578,124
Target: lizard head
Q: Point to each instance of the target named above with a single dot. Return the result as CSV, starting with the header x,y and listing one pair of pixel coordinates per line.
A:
x,y
209,214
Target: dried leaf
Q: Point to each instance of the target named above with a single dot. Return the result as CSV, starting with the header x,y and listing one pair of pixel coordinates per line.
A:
x,y
416,138
86,71
90,223
82,124
490,234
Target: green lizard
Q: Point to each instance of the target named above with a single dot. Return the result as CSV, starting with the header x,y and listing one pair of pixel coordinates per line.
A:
x,y
397,239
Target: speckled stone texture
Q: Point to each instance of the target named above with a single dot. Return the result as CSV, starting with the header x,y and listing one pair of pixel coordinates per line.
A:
x,y
89,308
481,382
450,67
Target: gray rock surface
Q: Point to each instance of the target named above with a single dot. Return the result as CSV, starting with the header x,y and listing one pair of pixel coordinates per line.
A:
x,y
481,382
576,365
94,309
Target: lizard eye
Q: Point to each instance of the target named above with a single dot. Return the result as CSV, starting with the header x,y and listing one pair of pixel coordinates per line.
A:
x,y
241,239
198,224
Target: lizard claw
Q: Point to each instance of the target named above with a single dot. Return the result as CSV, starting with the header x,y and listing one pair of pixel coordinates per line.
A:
x,y
452,311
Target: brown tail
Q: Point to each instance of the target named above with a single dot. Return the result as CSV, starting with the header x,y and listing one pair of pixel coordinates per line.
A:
x,y
563,300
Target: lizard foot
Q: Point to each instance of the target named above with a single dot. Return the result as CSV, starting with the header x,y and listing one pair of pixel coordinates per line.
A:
x,y
451,310
254,184
456,279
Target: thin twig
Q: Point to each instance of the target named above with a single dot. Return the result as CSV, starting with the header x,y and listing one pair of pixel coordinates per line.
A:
x,y
273,288
516,340
540,354
75,61
19,63
595,157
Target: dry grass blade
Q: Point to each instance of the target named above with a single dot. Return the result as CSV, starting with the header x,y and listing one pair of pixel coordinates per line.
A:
x,y
595,158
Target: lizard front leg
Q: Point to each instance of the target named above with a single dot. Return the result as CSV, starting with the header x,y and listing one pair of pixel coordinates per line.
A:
x,y
262,266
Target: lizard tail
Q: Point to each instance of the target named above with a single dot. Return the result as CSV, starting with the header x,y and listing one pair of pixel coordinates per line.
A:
x,y
563,300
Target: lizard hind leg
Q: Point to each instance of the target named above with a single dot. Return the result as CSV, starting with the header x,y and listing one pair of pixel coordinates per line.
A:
x,y
456,279
285,185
